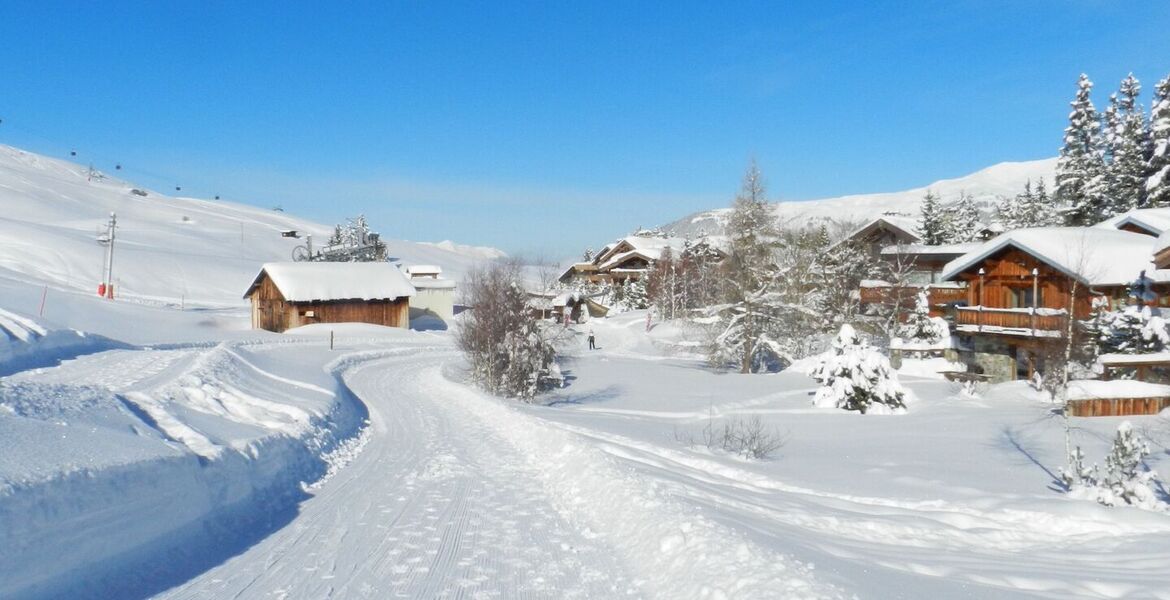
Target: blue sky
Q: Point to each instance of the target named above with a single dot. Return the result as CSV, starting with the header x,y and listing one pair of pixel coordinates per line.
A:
x,y
545,127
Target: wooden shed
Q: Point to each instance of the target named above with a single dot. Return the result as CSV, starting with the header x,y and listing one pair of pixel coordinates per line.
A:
x,y
287,295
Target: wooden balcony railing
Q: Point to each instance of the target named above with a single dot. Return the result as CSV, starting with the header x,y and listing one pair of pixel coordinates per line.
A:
x,y
1046,322
907,295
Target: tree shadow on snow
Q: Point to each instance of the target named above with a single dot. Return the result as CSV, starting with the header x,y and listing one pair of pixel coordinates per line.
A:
x,y
1012,438
592,397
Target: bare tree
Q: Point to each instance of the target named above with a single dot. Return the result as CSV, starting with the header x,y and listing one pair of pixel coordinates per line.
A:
x,y
511,353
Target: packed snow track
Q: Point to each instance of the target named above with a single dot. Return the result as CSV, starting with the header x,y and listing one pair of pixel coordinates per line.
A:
x,y
457,495
435,506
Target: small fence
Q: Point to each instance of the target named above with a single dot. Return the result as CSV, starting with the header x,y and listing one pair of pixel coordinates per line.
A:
x,y
1117,407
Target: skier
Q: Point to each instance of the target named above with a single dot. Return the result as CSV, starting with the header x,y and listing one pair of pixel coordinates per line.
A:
x,y
592,345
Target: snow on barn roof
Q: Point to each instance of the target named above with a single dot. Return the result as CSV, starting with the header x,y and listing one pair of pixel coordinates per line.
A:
x,y
1097,256
325,281
1155,220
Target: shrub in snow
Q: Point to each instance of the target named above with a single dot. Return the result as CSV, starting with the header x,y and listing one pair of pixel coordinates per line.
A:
x,y
1134,330
1127,479
747,438
920,326
510,352
854,376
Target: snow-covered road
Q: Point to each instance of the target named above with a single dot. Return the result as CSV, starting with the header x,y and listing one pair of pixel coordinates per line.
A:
x,y
436,505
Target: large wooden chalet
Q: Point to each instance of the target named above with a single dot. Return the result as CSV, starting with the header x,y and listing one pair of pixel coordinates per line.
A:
x,y
1022,286
288,295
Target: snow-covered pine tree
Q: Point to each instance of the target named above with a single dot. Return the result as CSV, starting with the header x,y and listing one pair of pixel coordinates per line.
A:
x,y
1127,478
1014,212
1158,164
1047,212
635,296
920,327
963,224
1130,150
854,376
1132,330
932,222
1080,166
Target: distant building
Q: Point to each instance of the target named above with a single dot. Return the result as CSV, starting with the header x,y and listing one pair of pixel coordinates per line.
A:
x,y
627,259
292,294
434,295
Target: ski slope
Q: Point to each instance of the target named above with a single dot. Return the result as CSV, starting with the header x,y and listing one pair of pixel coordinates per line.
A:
x,y
170,250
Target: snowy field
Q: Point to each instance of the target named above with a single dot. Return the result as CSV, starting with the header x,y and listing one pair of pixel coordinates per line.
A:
x,y
242,469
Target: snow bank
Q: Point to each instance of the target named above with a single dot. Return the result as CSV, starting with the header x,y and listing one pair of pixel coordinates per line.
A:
x,y
26,343
188,466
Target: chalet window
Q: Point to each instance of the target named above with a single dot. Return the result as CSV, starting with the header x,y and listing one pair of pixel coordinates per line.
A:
x,y
1022,298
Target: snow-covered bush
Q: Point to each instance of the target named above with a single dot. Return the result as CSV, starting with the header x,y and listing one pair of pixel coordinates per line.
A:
x,y
510,352
855,376
748,438
1127,479
1133,330
920,327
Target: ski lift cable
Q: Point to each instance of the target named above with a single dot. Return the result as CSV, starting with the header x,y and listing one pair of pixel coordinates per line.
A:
x,y
119,165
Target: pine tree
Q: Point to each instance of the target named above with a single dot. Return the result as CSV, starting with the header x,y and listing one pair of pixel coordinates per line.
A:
x,y
1127,144
1015,212
920,327
1080,168
1158,163
854,376
963,225
1046,213
932,224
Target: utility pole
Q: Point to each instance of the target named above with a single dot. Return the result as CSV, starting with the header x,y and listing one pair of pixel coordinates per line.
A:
x,y
107,287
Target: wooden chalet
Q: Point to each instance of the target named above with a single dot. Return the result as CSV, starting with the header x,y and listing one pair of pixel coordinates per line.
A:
x,y
1023,285
627,259
288,295
894,239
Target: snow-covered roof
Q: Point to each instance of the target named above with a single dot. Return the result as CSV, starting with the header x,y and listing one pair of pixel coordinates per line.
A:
x,y
325,281
1097,256
1156,220
650,247
416,270
624,256
906,225
426,283
956,249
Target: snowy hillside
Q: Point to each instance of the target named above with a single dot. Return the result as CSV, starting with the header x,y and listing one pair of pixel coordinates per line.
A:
x,y
987,186
170,250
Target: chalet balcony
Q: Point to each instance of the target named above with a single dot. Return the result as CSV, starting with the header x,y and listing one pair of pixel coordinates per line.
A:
x,y
1028,322
905,296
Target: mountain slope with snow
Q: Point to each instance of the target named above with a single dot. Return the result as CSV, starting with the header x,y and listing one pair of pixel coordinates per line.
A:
x,y
169,250
987,186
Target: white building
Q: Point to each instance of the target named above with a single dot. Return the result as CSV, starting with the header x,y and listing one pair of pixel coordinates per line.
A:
x,y
434,295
